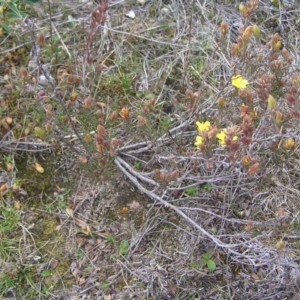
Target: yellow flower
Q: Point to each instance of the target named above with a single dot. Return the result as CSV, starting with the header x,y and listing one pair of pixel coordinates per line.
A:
x,y
221,136
202,127
198,142
239,82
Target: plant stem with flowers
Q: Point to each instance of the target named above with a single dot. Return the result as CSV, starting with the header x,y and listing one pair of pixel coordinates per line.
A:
x,y
98,19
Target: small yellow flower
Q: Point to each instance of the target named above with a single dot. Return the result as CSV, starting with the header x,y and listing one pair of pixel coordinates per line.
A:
x,y
202,127
198,142
239,82
221,136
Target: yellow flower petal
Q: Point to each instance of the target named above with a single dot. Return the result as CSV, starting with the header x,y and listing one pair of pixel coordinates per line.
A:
x,y
198,142
221,136
239,82
202,127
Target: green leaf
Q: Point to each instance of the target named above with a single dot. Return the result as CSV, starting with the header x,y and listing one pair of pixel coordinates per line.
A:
x,y
210,251
47,273
104,285
14,11
137,165
211,265
206,256
165,123
191,191
123,247
39,132
203,262
207,187
55,37
148,96
31,2
111,238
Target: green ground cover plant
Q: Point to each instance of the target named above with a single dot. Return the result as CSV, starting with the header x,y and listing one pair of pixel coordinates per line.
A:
x,y
149,149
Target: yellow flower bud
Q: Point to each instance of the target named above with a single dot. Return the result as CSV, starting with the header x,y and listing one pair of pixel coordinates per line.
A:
x,y
246,160
235,49
48,127
280,245
284,52
278,117
88,138
248,31
74,96
221,102
276,45
242,9
272,103
256,30
288,144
